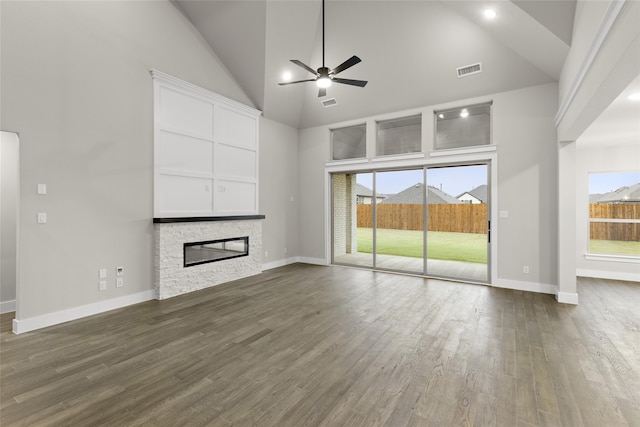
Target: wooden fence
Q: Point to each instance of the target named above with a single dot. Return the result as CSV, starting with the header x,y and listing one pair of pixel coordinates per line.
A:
x,y
628,232
461,218
472,218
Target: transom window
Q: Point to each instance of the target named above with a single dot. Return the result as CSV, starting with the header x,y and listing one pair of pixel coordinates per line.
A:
x,y
462,127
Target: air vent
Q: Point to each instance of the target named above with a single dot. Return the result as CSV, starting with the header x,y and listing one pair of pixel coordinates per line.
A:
x,y
468,70
329,102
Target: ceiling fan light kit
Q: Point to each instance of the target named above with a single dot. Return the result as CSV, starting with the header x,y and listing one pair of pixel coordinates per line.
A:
x,y
324,76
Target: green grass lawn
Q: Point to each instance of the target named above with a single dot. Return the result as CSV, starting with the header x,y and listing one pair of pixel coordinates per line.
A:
x,y
440,245
614,247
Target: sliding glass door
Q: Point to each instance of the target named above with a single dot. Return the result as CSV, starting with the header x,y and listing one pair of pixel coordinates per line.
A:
x,y
457,222
431,221
399,221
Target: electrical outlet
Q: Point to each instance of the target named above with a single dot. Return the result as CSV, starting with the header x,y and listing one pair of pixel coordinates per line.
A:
x,y
266,254
103,285
102,273
525,269
119,282
42,218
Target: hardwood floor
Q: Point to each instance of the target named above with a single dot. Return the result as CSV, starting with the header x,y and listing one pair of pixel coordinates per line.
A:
x,y
329,346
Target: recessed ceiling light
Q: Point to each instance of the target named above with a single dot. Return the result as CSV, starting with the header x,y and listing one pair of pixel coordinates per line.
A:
x,y
490,13
464,113
634,96
286,76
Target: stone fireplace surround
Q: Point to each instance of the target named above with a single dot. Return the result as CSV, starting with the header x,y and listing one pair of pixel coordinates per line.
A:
x,y
171,278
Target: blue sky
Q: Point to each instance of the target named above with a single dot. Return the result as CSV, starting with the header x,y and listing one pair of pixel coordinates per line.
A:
x,y
454,180
600,183
457,180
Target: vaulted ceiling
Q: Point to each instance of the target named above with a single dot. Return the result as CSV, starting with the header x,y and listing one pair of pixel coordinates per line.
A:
x,y
409,49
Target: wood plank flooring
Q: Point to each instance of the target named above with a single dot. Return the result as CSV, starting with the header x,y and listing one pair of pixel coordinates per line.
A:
x,y
330,346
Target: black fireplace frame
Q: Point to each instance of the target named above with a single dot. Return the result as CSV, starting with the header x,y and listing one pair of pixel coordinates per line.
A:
x,y
186,245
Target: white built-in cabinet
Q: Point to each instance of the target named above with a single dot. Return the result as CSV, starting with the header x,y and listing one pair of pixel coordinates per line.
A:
x,y
205,152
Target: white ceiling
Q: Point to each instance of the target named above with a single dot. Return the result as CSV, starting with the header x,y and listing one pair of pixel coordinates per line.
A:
x,y
619,123
409,49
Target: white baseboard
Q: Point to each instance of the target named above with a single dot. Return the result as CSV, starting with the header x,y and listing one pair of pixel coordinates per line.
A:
x,y
7,306
50,319
279,263
541,288
610,275
316,261
293,260
567,298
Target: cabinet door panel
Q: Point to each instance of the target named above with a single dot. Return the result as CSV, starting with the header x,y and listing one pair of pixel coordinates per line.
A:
x,y
186,154
233,162
186,113
233,128
235,197
185,194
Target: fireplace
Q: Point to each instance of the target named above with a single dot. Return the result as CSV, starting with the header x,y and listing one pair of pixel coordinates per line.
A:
x,y
196,253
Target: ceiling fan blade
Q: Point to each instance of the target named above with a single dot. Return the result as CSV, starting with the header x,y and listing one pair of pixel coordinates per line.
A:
x,y
297,81
305,66
346,64
322,92
361,83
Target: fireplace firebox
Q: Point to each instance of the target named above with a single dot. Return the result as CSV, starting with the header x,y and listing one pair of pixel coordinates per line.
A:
x,y
196,253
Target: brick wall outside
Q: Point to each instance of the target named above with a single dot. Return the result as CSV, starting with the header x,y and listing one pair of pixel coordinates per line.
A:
x,y
344,214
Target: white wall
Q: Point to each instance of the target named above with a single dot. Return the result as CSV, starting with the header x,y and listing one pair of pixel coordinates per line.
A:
x,y
313,152
76,86
602,61
525,136
278,192
9,181
606,158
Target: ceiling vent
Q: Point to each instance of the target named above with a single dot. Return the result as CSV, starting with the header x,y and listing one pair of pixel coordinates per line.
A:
x,y
468,70
329,102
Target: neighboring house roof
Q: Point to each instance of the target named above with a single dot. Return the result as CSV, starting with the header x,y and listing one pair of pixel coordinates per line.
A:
x,y
480,193
593,198
414,196
361,190
630,194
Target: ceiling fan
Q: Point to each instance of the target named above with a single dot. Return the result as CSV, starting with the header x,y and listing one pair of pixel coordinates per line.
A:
x,y
325,76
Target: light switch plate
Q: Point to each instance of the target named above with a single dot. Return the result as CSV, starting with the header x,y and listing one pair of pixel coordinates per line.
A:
x,y
42,217
42,188
102,273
